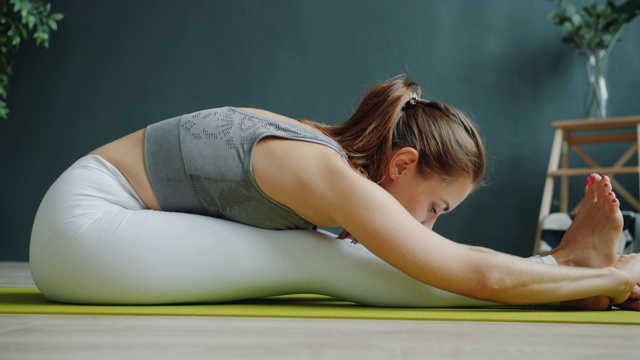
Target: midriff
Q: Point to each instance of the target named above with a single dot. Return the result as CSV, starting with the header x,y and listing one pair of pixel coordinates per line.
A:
x,y
127,155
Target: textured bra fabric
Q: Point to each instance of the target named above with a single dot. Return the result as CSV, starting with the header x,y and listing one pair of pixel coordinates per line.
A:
x,y
200,163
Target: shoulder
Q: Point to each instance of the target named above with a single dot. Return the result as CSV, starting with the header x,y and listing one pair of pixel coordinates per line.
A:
x,y
301,175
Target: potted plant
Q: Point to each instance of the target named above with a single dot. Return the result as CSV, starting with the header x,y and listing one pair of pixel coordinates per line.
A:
x,y
594,30
18,20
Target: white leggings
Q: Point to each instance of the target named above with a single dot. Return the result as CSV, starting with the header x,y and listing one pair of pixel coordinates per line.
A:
x,y
94,242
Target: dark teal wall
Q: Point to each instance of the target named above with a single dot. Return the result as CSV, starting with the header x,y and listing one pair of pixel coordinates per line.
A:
x,y
115,66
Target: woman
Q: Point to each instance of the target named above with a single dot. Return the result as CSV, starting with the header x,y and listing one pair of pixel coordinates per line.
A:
x,y
187,210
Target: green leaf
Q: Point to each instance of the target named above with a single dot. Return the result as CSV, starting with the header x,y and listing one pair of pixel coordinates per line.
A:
x,y
17,6
42,38
20,20
596,25
568,28
570,9
32,21
4,112
576,19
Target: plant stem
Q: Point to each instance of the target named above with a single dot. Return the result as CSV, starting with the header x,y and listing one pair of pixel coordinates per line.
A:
x,y
599,69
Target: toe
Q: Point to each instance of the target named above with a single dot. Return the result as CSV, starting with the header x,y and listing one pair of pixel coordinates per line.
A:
x,y
604,188
594,187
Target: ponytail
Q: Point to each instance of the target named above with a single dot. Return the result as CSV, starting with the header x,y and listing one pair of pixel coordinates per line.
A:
x,y
392,116
366,136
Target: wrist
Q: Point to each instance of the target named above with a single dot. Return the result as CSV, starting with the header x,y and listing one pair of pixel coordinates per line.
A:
x,y
622,285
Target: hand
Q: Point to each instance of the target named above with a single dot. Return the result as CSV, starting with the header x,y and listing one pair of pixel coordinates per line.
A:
x,y
632,302
631,265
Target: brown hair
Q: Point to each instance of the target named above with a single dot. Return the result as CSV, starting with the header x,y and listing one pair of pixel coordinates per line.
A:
x,y
392,116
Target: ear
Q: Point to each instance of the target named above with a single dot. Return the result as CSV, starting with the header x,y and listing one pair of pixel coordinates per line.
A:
x,y
403,161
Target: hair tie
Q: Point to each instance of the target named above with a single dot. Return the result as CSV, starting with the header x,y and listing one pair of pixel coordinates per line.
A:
x,y
413,99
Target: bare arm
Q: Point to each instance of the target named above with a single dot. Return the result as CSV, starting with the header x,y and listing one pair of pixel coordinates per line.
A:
x,y
327,191
479,248
385,228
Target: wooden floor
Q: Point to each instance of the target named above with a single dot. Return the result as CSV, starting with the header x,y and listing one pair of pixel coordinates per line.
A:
x,y
172,337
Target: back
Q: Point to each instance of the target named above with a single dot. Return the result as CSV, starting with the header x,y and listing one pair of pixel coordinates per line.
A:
x,y
201,163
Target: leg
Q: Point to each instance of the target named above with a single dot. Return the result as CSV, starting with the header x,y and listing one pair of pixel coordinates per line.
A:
x,y
108,249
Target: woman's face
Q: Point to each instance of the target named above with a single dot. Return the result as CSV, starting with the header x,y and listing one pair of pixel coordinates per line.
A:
x,y
428,198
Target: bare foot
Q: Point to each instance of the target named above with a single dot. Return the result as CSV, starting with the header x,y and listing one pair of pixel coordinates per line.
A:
x,y
593,237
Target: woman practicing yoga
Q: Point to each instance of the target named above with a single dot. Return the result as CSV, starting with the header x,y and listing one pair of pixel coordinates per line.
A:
x,y
220,205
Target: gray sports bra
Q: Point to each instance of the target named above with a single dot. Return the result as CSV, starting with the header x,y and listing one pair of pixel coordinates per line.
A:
x,y
200,163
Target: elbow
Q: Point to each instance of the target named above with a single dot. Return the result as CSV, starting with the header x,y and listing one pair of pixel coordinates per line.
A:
x,y
491,285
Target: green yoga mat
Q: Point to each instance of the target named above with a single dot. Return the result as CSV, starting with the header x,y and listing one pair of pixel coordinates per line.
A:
x,y
30,301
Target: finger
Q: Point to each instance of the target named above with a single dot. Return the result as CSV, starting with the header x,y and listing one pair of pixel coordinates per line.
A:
x,y
631,304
